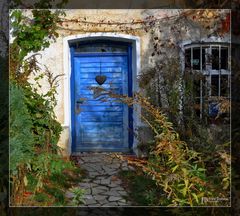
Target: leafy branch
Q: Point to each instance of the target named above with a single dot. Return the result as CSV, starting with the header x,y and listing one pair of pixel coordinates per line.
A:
x,y
179,171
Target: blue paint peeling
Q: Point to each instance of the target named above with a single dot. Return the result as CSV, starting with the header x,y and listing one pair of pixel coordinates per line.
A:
x,y
100,125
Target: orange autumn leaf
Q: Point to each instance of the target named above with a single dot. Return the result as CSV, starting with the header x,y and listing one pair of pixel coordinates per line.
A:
x,y
226,24
27,193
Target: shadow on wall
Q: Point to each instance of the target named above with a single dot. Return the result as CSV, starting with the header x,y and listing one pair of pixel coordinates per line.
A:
x,y
64,142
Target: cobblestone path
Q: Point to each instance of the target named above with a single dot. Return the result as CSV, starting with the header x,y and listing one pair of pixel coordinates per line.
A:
x,y
102,185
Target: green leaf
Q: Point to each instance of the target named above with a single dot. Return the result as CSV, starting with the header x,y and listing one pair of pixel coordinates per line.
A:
x,y
185,171
184,191
165,185
25,181
39,115
195,197
174,168
186,181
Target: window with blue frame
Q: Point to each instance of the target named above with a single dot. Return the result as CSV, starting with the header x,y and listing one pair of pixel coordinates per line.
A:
x,y
211,62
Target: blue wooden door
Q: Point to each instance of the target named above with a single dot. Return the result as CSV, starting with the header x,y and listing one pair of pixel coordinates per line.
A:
x,y
100,125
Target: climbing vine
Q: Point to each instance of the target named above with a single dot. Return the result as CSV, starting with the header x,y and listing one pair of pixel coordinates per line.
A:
x,y
213,20
30,35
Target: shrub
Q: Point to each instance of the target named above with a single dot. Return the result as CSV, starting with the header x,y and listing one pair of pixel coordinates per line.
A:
x,y
175,168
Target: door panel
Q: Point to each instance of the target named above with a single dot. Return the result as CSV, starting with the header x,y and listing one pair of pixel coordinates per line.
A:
x,y
98,124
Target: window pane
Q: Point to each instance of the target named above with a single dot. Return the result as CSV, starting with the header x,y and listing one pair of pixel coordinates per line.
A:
x,y
215,58
203,58
188,58
224,85
214,85
224,58
213,109
196,58
100,48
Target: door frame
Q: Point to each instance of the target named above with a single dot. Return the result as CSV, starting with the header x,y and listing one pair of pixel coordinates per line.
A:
x,y
135,64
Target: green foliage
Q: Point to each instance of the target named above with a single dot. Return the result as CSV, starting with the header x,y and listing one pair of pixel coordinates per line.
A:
x,y
175,93
34,129
56,192
60,176
45,127
20,130
30,146
166,89
64,173
143,189
41,197
58,165
78,195
33,35
30,35
179,171
61,180
32,182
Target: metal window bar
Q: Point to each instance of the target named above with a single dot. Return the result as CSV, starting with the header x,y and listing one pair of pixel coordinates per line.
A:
x,y
220,67
210,73
230,72
201,95
207,87
191,58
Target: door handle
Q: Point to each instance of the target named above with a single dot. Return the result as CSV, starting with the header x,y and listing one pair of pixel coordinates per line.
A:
x,y
80,101
77,109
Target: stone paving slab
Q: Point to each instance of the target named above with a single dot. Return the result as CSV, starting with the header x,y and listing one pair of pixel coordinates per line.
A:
x,y
102,185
